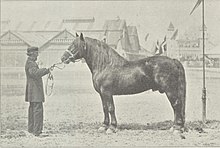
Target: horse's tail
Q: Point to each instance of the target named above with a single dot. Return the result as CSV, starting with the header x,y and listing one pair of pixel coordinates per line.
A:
x,y
181,87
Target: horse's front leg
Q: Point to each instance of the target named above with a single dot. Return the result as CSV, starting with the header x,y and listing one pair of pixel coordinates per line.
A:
x,y
107,96
111,110
105,125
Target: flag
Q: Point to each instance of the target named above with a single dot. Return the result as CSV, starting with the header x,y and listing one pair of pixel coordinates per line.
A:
x,y
197,4
104,38
162,48
146,37
164,45
157,49
174,35
164,41
210,60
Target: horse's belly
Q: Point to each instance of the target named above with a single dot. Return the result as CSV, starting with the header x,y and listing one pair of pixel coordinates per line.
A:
x,y
131,86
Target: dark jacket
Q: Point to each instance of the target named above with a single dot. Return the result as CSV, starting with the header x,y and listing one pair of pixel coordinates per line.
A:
x,y
34,84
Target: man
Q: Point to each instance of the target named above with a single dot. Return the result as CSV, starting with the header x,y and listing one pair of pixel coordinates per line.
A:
x,y
34,92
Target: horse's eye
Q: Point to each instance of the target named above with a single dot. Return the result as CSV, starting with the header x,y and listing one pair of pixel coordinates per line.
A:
x,y
72,47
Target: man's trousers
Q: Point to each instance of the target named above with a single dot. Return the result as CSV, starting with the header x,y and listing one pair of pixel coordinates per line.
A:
x,y
35,118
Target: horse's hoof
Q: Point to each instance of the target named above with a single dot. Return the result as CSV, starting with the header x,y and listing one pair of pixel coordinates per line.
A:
x,y
177,132
171,129
177,128
102,129
182,136
111,130
185,129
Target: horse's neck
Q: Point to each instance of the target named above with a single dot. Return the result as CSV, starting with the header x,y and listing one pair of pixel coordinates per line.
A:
x,y
98,59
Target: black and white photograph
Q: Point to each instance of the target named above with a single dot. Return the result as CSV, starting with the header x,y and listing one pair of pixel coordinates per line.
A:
x,y
95,73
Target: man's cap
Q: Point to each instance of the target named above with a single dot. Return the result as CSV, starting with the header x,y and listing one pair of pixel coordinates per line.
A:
x,y
30,50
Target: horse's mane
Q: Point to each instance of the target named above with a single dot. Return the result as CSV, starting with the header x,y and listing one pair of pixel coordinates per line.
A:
x,y
100,55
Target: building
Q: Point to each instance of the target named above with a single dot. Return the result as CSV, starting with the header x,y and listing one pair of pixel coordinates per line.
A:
x,y
14,45
136,51
172,45
53,38
187,46
214,56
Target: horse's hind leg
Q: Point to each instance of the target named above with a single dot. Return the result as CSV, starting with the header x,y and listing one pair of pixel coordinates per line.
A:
x,y
178,106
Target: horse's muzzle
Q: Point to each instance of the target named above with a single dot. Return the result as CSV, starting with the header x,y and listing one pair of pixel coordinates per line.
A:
x,y
65,60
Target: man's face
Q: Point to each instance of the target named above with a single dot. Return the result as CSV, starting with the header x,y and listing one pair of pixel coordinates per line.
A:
x,y
34,55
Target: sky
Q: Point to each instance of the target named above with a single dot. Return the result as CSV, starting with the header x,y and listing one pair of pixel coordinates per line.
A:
x,y
150,16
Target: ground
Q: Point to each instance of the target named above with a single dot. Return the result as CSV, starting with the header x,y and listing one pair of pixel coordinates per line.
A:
x,y
73,114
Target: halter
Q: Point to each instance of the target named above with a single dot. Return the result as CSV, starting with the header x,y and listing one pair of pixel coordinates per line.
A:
x,y
50,79
73,55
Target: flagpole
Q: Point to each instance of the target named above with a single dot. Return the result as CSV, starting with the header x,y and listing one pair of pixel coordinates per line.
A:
x,y
203,47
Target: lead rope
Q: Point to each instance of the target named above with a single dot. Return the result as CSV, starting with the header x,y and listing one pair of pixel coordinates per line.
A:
x,y
50,80
49,84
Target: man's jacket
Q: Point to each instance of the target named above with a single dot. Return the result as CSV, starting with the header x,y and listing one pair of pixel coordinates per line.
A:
x,y
34,84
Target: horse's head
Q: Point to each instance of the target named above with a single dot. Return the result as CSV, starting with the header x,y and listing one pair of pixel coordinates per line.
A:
x,y
75,50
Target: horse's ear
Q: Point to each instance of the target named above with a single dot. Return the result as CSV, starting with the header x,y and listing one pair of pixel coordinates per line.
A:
x,y
77,35
81,37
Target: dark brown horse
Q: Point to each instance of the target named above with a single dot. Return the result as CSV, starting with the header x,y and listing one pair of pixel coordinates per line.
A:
x,y
114,75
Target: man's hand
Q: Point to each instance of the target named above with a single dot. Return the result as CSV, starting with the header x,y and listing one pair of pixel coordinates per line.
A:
x,y
51,68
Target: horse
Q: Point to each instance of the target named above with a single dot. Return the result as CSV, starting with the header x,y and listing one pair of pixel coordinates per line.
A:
x,y
114,75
